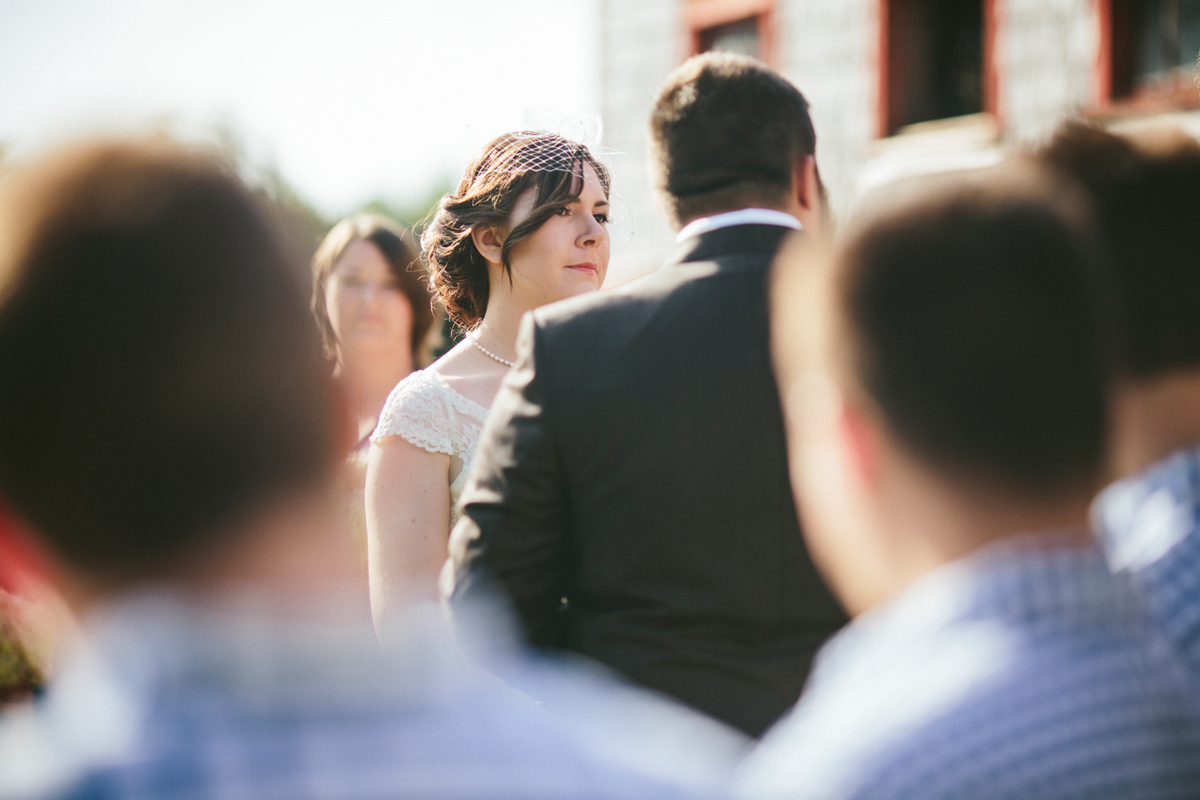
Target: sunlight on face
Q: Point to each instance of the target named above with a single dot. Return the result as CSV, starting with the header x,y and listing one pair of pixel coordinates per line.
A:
x,y
568,255
367,307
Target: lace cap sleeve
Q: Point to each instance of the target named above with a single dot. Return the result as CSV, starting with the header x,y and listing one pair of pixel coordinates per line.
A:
x,y
417,411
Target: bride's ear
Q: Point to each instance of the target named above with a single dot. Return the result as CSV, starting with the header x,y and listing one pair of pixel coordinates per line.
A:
x,y
488,242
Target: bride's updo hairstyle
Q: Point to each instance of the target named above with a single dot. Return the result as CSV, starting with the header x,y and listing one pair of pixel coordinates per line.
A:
x,y
508,166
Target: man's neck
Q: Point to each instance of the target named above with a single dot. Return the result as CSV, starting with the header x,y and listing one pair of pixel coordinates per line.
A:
x,y
930,529
1155,418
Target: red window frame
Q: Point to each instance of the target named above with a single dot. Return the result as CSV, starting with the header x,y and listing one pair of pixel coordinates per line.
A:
x,y
887,92
1113,93
701,16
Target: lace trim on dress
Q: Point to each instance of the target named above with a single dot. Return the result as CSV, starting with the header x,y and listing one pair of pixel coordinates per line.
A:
x,y
419,410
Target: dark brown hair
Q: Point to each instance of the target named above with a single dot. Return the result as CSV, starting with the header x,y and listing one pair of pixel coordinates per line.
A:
x,y
158,362
726,133
394,244
978,321
1146,190
508,166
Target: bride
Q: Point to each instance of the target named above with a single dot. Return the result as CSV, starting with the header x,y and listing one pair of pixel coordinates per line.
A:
x,y
526,227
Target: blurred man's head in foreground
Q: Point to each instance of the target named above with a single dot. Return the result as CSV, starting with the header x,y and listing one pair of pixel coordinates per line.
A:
x,y
161,380
945,378
728,132
1145,187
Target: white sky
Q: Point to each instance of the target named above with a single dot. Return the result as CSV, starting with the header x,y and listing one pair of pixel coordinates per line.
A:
x,y
350,99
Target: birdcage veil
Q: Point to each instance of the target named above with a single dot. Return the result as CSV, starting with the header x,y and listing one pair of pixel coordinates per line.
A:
x,y
523,152
549,142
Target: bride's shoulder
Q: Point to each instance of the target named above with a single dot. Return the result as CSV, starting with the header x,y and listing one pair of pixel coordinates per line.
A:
x,y
468,378
425,411
416,410
423,390
420,381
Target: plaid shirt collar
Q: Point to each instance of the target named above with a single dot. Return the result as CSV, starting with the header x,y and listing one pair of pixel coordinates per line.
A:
x,y
1022,579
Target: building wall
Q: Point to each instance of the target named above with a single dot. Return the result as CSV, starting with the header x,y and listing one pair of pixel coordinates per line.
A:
x,y
1047,57
829,49
641,42
826,47
1047,65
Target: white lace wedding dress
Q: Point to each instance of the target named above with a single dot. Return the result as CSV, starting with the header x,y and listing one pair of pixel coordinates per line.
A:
x,y
425,411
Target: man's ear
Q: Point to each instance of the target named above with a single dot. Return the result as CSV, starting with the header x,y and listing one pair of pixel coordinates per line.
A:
x,y
859,441
806,184
808,198
488,242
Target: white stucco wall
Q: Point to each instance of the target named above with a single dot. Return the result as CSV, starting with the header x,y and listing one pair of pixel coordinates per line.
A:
x,y
641,42
828,48
1047,57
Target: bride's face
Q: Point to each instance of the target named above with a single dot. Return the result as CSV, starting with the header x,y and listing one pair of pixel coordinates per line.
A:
x,y
568,254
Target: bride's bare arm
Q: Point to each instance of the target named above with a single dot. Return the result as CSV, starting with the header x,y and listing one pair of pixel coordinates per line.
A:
x,y
408,524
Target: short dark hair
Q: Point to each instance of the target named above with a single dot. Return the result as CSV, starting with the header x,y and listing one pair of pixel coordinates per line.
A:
x,y
403,261
160,375
1146,190
726,133
977,321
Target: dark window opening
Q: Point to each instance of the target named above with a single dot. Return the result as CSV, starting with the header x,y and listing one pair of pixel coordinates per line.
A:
x,y
743,36
934,60
1155,44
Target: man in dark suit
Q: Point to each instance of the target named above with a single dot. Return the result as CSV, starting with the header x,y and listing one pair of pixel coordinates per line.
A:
x,y
630,497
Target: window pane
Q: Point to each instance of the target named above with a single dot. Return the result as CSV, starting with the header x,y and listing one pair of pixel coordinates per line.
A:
x,y
1169,39
935,60
736,37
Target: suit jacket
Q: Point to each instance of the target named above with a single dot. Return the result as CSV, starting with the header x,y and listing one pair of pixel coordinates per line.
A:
x,y
630,495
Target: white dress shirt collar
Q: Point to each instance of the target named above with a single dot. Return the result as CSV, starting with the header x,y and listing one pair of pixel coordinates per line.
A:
x,y
743,216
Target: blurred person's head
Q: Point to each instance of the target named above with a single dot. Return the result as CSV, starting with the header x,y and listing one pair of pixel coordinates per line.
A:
x,y
529,217
370,295
945,380
1146,191
728,132
164,398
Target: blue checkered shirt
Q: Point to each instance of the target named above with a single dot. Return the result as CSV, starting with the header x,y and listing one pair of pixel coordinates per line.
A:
x,y
1023,671
1150,526
180,704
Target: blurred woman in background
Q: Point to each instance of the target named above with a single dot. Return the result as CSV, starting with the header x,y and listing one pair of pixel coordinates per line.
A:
x,y
372,304
373,307
527,226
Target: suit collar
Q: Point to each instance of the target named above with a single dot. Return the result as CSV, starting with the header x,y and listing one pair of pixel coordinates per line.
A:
x,y
725,241
742,216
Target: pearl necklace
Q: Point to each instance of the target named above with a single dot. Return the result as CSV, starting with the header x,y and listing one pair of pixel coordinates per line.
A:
x,y
487,352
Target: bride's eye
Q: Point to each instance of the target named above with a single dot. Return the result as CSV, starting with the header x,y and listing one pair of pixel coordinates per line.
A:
x,y
564,211
601,218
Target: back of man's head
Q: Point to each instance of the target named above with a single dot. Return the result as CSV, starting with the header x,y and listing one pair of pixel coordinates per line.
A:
x,y
726,133
160,377
975,320
1146,190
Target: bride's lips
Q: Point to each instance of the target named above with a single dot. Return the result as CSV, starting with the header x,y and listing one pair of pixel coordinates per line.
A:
x,y
586,266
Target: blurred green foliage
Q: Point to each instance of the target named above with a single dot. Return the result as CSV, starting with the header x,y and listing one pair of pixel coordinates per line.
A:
x,y
19,675
413,214
302,225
